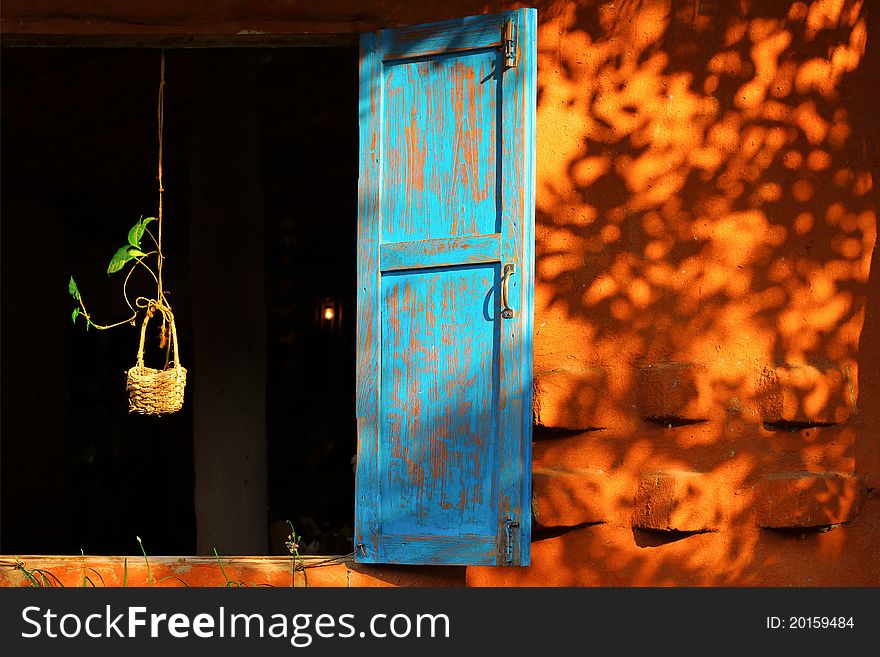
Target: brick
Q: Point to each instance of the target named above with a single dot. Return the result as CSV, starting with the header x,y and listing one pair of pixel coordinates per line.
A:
x,y
740,555
807,499
673,390
565,498
680,501
570,400
609,555
805,394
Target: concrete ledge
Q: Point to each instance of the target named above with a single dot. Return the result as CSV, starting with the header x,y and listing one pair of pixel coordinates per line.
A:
x,y
69,571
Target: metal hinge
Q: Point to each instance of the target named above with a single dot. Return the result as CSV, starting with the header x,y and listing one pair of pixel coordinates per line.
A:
x,y
508,43
510,528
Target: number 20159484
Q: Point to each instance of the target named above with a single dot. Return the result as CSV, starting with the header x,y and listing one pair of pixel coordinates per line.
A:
x,y
810,623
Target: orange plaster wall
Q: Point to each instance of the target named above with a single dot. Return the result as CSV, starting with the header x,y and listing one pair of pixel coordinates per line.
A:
x,y
706,320
706,219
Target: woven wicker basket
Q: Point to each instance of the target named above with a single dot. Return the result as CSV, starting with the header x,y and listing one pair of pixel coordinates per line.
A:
x,y
156,392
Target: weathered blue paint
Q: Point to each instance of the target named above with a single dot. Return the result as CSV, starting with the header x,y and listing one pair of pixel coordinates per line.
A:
x,y
438,393
369,279
440,252
446,197
439,130
528,68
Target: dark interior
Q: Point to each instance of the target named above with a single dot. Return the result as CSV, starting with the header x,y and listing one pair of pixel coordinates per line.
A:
x,y
79,148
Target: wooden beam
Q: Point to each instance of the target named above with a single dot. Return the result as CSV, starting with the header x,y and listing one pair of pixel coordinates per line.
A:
x,y
218,23
179,40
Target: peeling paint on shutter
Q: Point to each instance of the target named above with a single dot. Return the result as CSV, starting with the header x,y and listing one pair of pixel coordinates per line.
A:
x,y
446,203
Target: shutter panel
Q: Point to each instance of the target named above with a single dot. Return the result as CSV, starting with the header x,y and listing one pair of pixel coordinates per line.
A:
x,y
446,202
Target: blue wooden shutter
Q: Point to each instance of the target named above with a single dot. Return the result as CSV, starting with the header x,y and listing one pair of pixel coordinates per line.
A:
x,y
446,204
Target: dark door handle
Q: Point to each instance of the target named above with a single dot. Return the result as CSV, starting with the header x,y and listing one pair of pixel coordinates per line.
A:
x,y
506,272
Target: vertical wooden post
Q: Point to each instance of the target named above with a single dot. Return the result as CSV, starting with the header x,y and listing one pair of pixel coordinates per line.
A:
x,y
229,322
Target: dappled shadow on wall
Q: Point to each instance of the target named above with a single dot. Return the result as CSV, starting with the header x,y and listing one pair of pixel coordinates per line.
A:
x,y
705,224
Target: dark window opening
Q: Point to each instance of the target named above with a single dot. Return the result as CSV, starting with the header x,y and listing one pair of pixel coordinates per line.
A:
x,y
308,122
78,169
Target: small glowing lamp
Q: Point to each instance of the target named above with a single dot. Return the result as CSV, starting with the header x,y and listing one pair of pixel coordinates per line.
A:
x,y
327,315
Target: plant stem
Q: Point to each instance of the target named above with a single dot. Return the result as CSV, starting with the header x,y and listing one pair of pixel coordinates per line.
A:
x,y
149,574
222,569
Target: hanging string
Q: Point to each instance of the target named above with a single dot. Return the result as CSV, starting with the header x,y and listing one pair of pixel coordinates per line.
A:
x,y
161,302
161,122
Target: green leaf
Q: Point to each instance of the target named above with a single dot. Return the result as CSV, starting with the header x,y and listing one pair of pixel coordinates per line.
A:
x,y
119,259
137,231
136,253
135,234
71,287
75,315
